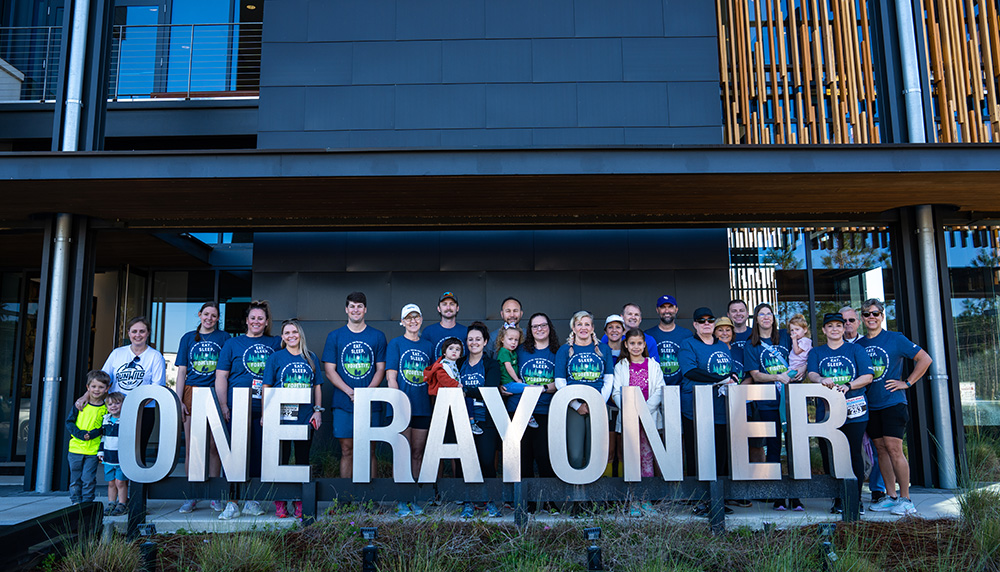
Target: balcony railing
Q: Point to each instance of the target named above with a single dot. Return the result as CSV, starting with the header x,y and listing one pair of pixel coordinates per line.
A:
x,y
190,61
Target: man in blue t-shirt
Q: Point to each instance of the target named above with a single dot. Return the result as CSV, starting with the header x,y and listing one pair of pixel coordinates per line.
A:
x,y
738,313
888,410
668,336
448,327
353,358
632,318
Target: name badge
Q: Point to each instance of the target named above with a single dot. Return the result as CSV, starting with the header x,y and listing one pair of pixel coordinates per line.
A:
x,y
257,389
856,406
289,412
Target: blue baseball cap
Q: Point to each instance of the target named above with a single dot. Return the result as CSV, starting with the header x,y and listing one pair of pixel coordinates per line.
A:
x,y
666,299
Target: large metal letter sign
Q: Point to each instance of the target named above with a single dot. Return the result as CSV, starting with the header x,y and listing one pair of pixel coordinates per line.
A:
x,y
392,434
511,430
451,404
131,417
558,453
636,417
704,433
233,450
740,431
271,469
800,430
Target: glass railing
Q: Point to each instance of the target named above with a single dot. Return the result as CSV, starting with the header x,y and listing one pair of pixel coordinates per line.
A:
x,y
191,61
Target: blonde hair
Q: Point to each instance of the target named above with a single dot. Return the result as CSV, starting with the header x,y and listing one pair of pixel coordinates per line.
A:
x,y
503,334
571,340
800,321
303,347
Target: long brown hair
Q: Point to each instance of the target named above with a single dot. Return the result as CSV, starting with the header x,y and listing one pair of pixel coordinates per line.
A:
x,y
633,333
755,336
260,305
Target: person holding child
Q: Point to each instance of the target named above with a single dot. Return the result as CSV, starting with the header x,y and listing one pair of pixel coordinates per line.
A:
x,y
108,455
85,428
510,339
636,369
475,371
295,366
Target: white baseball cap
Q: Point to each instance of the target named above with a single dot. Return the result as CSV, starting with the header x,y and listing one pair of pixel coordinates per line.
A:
x,y
409,309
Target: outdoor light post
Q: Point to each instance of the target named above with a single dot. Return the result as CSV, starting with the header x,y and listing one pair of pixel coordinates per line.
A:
x,y
369,554
593,534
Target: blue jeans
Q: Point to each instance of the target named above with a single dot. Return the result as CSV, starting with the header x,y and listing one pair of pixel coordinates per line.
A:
x,y
82,477
875,482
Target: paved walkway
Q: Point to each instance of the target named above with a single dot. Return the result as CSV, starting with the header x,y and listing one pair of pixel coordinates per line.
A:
x,y
18,506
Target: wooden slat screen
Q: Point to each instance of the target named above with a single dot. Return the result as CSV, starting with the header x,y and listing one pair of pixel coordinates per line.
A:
x,y
963,63
797,71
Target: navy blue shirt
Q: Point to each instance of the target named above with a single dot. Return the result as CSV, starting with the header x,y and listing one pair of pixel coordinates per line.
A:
x,y
285,369
713,358
474,376
843,365
887,350
770,359
409,358
201,357
585,365
668,345
435,334
355,356
534,368
245,359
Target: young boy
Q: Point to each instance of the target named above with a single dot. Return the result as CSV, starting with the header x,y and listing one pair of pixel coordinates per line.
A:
x,y
85,427
108,454
444,373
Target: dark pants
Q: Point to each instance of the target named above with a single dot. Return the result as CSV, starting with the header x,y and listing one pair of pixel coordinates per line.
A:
x,y
855,433
772,444
82,477
146,431
535,449
721,448
301,451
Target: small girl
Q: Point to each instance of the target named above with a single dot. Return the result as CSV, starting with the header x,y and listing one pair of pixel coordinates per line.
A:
x,y
798,329
506,349
444,373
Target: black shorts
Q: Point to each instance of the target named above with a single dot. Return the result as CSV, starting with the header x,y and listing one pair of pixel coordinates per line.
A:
x,y
420,422
888,422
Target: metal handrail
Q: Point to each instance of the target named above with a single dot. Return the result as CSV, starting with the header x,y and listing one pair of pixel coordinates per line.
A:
x,y
34,52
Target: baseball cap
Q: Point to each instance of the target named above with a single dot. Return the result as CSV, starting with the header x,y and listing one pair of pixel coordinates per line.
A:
x,y
666,299
409,309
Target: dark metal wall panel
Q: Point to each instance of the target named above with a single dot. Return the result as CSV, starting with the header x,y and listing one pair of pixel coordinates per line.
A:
x,y
581,250
303,252
367,252
682,248
493,250
322,295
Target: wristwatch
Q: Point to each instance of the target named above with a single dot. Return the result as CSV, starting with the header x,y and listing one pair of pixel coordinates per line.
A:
x,y
318,409
908,384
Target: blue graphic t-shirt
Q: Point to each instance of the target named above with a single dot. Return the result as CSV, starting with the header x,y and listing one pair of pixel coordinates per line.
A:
x,y
740,338
200,357
436,334
887,350
355,356
245,359
474,376
668,344
534,368
770,359
284,369
409,358
843,365
585,365
713,358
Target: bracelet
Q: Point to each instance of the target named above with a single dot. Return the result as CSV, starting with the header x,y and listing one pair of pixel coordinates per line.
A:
x,y
317,409
908,384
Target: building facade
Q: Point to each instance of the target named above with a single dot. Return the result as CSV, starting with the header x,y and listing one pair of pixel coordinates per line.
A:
x,y
156,154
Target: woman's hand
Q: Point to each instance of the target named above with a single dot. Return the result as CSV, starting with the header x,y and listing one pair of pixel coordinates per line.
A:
x,y
225,410
316,419
783,378
827,382
583,410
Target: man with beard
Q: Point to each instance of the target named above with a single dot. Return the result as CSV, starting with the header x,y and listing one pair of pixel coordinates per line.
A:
x,y
668,337
448,327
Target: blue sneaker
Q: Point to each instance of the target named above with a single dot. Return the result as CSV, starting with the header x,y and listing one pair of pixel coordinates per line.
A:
x,y
492,510
467,510
885,505
402,510
417,511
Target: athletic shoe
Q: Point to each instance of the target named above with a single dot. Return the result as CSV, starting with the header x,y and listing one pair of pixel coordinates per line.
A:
x,y
492,510
796,505
416,510
742,503
252,508
877,496
647,508
552,507
188,506
634,510
904,508
476,429
779,505
532,423
217,506
885,505
281,509
110,507
402,510
861,509
297,508
121,509
467,510
838,507
232,510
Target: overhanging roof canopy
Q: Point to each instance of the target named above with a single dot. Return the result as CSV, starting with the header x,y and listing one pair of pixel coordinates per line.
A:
x,y
413,188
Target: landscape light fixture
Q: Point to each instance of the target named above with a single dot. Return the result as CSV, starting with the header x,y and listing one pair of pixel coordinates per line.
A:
x,y
593,534
369,554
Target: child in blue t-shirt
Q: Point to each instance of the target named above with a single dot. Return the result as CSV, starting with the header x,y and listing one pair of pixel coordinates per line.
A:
x,y
108,454
506,349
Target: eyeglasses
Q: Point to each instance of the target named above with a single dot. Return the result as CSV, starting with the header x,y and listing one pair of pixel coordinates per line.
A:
x,y
539,326
872,314
411,318
705,321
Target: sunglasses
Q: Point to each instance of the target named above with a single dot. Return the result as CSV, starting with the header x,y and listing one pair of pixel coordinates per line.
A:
x,y
705,321
872,314
852,320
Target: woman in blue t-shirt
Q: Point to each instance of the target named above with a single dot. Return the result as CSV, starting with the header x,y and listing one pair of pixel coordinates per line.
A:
x,y
766,360
844,367
475,371
197,357
295,366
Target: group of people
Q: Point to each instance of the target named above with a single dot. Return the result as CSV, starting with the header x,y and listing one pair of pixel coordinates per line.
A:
x,y
718,350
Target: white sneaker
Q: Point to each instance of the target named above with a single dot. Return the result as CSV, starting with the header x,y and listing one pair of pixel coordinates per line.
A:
x,y
885,505
188,506
904,508
532,423
217,506
232,511
252,508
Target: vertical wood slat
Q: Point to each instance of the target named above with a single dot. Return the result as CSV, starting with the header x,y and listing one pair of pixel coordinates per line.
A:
x,y
989,71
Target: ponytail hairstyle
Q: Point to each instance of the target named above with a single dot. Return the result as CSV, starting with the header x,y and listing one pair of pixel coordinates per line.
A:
x,y
260,305
197,331
303,346
482,329
571,340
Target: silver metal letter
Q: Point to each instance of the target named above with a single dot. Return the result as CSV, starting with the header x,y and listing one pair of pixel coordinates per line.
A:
x,y
740,431
233,447
558,453
271,469
364,435
800,430
511,430
635,417
169,407
704,432
670,410
450,404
